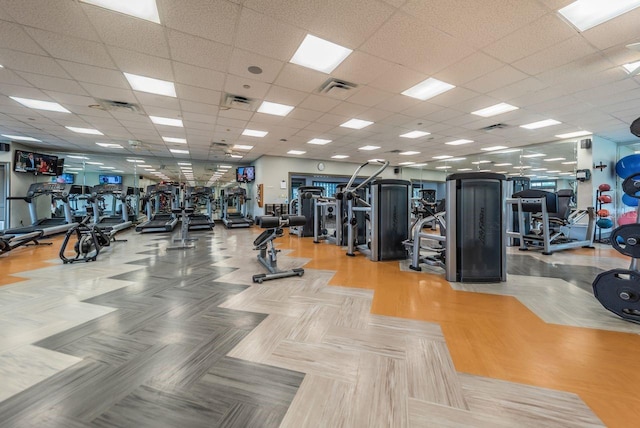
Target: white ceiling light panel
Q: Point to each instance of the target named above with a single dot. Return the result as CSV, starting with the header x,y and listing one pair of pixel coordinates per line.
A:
x,y
540,124
254,133
356,124
585,14
143,9
40,105
151,85
459,142
428,88
274,108
319,141
166,121
89,131
414,134
319,54
495,110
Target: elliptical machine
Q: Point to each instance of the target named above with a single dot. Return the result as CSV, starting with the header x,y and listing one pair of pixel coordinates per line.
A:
x,y
90,239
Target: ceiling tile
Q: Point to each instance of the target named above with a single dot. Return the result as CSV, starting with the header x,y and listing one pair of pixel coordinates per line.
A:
x,y
11,78
198,76
497,79
54,83
369,96
109,93
197,51
146,100
620,30
241,60
319,103
72,48
91,74
299,13
278,94
300,78
473,66
12,36
210,19
555,56
144,65
19,61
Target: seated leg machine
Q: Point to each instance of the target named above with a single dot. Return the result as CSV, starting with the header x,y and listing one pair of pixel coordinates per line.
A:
x,y
268,252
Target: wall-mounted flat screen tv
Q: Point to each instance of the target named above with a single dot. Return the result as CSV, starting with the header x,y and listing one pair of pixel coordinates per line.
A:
x,y
35,163
110,179
245,174
65,178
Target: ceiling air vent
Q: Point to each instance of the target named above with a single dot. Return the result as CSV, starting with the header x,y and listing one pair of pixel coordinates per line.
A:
x,y
494,127
337,87
118,106
237,102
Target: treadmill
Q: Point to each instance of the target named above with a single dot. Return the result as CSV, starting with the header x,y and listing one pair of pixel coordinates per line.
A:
x,y
160,221
200,221
47,226
111,224
237,197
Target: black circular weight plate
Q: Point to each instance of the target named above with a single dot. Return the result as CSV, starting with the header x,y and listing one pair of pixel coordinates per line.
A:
x,y
618,290
631,185
635,127
626,240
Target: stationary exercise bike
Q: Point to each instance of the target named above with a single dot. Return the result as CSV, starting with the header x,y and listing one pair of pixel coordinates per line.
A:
x,y
268,253
89,241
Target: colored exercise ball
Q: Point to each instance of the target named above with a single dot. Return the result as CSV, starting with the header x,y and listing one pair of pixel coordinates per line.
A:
x,y
629,201
603,213
604,199
604,187
627,218
605,223
628,165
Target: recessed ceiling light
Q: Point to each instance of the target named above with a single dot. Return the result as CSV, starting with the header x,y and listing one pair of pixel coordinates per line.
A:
x,y
296,152
501,152
415,165
534,155
254,133
151,85
135,160
555,171
493,148
72,169
369,148
225,167
459,142
465,169
415,134
406,163
428,89
94,163
41,105
242,147
501,172
78,157
356,124
166,121
107,167
574,134
175,140
274,108
481,162
90,131
502,164
319,54
110,145
521,167
540,124
444,167
236,156
538,169
184,163
585,14
554,159
21,138
319,141
452,160
339,157
495,110
143,9
441,157
632,67
1,66
570,163
177,151
566,173
409,153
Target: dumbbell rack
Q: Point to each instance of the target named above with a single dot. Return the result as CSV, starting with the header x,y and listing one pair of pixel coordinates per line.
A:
x,y
618,290
599,206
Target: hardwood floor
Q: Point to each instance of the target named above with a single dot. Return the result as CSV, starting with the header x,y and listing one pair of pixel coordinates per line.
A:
x,y
146,337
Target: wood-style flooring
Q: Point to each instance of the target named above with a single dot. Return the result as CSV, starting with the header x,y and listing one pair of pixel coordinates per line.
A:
x,y
150,337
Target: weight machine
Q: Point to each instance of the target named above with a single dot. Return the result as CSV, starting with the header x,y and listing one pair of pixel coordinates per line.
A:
x,y
268,253
305,206
429,216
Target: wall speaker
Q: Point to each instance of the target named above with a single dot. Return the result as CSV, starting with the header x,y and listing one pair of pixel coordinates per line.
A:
x,y
585,144
5,147
396,170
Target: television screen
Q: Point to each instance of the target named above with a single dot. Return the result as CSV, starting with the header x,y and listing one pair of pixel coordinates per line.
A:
x,y
110,179
245,174
65,178
36,163
60,166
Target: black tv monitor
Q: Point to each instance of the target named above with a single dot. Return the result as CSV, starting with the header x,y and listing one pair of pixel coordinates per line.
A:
x,y
65,178
110,179
245,174
60,166
35,163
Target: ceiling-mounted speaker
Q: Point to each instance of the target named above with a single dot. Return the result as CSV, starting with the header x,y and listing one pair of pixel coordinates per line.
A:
x,y
635,127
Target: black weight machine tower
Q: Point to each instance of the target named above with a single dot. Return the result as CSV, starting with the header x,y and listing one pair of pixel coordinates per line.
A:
x,y
268,255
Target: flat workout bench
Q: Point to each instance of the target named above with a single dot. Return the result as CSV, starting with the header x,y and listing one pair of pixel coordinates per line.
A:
x,y
268,252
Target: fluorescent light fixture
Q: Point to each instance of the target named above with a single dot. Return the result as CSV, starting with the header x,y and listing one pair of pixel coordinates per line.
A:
x,y
493,148
135,160
274,108
481,162
89,131
369,148
319,141
175,140
319,54
339,157
166,121
501,152
585,14
534,155
555,171
632,67
225,167
143,9
78,157
406,163
1,66
21,138
356,124
501,172
236,156
254,133
495,110
459,142
107,167
110,145
415,134
443,157
151,85
72,169
465,169
242,147
40,105
566,173
453,160
409,153
540,124
94,163
570,163
184,163
554,159
521,167
296,152
503,164
177,151
574,134
538,169
428,89
444,167
416,165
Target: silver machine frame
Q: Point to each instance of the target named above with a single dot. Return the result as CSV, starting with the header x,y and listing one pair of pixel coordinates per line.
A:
x,y
321,206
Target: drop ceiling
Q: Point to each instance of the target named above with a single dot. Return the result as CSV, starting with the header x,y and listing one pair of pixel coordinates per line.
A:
x,y
518,52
